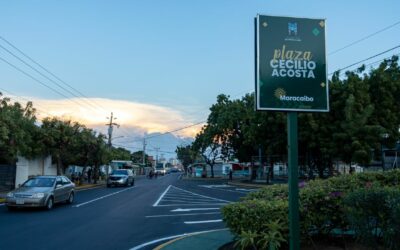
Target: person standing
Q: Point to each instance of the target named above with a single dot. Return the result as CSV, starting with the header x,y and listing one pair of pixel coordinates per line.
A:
x,y
230,174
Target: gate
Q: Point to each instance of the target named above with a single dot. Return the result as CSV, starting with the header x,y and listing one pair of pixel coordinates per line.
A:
x,y
7,177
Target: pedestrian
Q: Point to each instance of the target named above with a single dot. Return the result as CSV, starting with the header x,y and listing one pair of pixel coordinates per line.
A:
x,y
230,174
89,175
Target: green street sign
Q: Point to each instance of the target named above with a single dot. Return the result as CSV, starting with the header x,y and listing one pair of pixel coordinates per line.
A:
x,y
291,64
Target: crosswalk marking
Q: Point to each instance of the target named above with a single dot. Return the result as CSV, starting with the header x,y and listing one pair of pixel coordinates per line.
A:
x,y
178,196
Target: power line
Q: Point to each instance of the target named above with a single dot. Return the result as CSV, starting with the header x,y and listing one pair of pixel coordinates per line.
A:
x,y
51,80
48,71
20,97
176,130
35,79
369,58
94,105
329,74
364,38
375,62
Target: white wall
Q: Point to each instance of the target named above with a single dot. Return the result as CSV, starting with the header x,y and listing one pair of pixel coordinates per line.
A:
x,y
38,166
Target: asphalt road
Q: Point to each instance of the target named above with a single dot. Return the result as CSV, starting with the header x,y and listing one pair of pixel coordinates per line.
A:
x,y
138,217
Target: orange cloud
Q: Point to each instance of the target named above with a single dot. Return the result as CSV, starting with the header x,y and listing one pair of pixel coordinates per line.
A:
x,y
133,117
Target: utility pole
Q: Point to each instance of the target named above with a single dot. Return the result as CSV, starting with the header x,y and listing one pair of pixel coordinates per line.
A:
x,y
157,154
110,125
144,151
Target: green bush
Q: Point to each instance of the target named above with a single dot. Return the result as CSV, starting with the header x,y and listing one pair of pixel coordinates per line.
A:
x,y
258,223
321,208
373,213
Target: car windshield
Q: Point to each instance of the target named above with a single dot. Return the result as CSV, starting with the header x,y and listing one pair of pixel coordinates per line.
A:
x,y
39,182
119,172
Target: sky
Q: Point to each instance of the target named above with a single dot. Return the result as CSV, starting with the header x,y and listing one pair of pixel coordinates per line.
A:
x,y
159,65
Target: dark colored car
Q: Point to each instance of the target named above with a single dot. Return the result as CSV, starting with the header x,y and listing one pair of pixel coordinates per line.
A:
x,y
121,177
42,191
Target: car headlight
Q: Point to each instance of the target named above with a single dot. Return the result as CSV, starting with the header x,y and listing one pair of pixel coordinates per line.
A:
x,y
10,195
38,195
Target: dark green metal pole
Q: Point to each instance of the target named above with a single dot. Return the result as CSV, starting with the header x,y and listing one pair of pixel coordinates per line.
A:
x,y
294,222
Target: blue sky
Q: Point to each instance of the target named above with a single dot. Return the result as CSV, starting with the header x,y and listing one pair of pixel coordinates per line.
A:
x,y
175,55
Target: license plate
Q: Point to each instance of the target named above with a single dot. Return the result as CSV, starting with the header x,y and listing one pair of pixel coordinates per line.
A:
x,y
20,201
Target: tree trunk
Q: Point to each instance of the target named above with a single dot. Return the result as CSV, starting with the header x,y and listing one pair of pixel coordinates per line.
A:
x,y
59,167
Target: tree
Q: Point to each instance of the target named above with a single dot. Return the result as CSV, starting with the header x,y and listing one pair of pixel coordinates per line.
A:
x,y
60,140
207,144
19,136
186,155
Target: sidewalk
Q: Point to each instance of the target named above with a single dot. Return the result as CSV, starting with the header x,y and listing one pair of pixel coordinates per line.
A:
x,y
199,241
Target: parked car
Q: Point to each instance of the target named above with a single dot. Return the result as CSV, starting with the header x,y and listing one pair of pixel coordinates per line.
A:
x,y
42,191
121,177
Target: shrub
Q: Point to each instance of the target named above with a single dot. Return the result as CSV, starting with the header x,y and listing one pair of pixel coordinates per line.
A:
x,y
321,208
373,213
258,223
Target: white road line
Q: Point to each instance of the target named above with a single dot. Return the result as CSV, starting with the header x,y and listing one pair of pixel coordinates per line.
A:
x,y
172,237
197,204
202,221
175,215
194,209
162,195
212,198
192,203
102,197
215,186
185,199
232,191
246,190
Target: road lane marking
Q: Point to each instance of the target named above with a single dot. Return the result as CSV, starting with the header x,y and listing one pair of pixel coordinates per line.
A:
x,y
162,195
102,197
202,204
215,186
222,188
185,199
194,209
212,198
177,195
175,215
202,221
172,237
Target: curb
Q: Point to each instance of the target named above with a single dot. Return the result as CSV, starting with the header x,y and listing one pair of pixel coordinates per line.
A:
x,y
239,184
184,237
89,186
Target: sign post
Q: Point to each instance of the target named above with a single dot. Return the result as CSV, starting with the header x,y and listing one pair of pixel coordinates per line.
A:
x,y
291,77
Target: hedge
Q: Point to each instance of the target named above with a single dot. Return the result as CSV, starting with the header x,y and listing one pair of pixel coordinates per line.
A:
x,y
323,209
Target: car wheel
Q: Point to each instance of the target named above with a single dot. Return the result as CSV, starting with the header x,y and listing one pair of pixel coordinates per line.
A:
x,y
133,182
50,203
71,198
108,185
127,183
